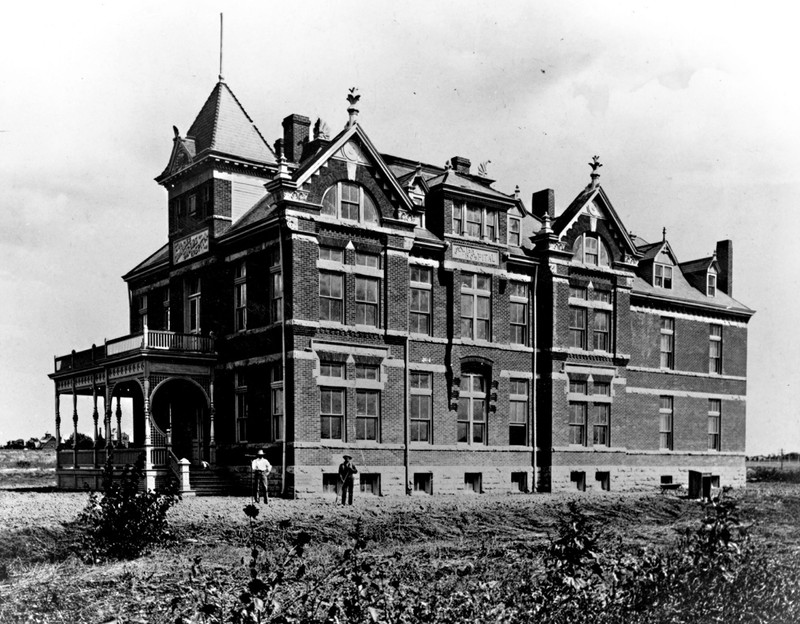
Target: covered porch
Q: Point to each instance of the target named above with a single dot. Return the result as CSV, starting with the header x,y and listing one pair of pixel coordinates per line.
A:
x,y
167,380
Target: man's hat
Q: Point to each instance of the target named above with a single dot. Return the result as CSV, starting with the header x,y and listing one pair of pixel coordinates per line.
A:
x,y
260,453
347,456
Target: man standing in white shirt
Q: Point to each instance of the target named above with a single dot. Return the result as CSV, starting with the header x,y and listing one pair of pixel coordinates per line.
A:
x,y
261,469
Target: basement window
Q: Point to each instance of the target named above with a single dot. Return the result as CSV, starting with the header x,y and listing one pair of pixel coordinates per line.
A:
x,y
370,484
473,482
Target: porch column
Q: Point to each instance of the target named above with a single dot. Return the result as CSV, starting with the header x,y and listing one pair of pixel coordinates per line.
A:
x,y
95,414
107,404
58,420
212,442
75,422
119,421
149,474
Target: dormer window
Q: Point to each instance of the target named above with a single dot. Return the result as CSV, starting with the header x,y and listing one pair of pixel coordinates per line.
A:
x,y
711,285
590,249
662,276
514,231
475,222
349,202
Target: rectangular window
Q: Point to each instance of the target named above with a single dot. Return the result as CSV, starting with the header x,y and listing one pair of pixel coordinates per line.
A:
x,y
192,205
142,311
276,286
166,321
601,388
604,479
331,297
714,418
370,372
711,285
667,342
423,482
601,330
332,254
331,369
240,297
518,412
458,216
370,484
665,413
349,201
471,424
473,222
715,350
276,401
419,317
518,312
490,225
590,251
578,386
421,400
367,301
519,481
367,410
366,259
331,411
577,423
602,424
473,482
475,306
663,276
192,289
578,292
241,406
577,327
603,296
579,479
514,231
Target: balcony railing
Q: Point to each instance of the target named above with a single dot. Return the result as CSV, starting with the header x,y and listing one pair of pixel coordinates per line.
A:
x,y
148,339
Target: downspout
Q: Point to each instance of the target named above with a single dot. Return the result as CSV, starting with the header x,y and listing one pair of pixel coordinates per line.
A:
x,y
534,386
407,420
283,362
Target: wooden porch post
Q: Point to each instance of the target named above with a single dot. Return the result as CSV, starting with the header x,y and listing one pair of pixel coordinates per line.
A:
x,y
149,474
212,442
107,405
95,414
58,420
74,423
119,421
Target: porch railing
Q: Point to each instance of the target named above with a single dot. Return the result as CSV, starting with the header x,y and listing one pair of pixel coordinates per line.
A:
x,y
148,339
96,458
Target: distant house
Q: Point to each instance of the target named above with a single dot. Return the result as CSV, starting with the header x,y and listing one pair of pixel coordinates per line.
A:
x,y
48,442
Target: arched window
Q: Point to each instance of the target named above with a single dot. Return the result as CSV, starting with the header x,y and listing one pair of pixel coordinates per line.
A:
x,y
350,202
590,249
472,408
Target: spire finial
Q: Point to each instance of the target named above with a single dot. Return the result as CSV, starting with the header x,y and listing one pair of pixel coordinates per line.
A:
x,y
353,97
595,165
221,79
664,234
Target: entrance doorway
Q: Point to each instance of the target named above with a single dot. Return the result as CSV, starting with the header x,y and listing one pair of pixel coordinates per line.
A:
x,y
179,407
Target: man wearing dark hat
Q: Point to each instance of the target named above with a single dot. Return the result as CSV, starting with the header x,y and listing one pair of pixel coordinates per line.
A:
x,y
261,469
346,471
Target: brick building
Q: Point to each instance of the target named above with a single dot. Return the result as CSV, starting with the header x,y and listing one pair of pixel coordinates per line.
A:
x,y
318,297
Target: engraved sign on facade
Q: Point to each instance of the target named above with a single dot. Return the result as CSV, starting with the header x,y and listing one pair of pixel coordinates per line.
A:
x,y
470,254
189,247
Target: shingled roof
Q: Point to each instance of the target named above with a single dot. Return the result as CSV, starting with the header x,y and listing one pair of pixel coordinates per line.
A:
x,y
223,126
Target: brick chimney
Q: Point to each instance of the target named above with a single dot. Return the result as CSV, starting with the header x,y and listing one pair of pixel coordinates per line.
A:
x,y
725,260
544,202
295,136
460,164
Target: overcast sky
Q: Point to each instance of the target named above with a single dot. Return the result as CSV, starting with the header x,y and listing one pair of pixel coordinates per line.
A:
x,y
691,106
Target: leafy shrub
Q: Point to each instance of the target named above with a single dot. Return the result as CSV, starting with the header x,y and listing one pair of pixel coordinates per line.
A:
x,y
769,473
125,521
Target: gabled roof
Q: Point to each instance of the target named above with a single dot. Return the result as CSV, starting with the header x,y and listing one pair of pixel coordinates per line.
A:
x,y
223,126
589,194
683,291
651,251
313,164
454,180
153,260
701,264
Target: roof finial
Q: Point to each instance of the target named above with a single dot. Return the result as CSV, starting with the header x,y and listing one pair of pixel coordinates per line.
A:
x,y
353,97
664,234
595,165
221,79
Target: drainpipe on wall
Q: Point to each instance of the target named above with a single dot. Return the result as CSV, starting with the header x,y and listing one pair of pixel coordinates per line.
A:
x,y
407,414
283,362
534,392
